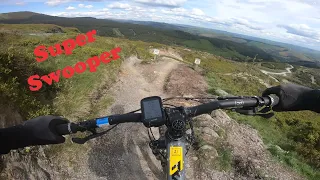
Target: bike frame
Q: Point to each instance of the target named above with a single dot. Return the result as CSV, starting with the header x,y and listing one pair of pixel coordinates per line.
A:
x,y
176,141
176,158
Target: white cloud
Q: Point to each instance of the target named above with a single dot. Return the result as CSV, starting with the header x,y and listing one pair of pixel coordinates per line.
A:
x,y
88,6
70,8
98,14
85,6
246,23
56,2
178,10
20,3
302,30
118,5
166,3
197,11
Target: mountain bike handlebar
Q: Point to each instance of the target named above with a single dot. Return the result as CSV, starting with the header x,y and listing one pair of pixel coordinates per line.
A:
x,y
221,103
64,129
235,102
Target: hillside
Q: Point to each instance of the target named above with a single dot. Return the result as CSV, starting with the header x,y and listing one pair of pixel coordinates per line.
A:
x,y
229,47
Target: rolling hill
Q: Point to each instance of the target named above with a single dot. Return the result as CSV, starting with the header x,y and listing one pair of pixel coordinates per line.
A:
x,y
227,45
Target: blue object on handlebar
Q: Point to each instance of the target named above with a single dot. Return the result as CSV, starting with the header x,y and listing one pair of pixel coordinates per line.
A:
x,y
102,121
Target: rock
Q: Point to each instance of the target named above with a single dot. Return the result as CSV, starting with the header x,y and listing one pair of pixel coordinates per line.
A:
x,y
221,92
210,132
279,149
195,158
214,153
204,117
207,147
220,117
217,128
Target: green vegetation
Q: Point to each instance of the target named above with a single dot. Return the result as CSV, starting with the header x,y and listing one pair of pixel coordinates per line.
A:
x,y
300,139
36,28
76,93
15,68
81,97
273,65
220,156
282,145
292,159
224,158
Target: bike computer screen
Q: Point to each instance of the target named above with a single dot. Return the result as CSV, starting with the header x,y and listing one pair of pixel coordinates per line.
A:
x,y
152,112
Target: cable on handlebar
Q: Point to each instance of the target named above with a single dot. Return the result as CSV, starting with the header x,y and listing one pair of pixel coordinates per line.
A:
x,y
85,139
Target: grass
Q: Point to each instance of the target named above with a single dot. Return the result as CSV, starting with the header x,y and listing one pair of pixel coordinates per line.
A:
x,y
276,136
275,131
292,160
84,96
275,66
36,28
224,158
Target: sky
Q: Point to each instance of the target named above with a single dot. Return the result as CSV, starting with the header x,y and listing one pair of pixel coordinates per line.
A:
x,y
290,21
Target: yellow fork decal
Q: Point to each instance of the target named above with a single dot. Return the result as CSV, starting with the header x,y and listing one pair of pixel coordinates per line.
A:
x,y
176,160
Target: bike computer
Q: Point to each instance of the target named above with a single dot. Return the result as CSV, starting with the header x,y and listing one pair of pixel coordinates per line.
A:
x,y
152,111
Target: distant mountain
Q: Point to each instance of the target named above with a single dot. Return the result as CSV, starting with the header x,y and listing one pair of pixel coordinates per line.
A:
x,y
17,15
228,45
219,33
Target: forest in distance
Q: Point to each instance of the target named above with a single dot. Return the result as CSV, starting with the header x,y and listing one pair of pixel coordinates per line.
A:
x,y
227,45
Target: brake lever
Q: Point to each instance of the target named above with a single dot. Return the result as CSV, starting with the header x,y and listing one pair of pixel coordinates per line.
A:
x,y
92,136
247,111
254,111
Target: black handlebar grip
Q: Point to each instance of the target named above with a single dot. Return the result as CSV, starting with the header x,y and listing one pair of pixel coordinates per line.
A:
x,y
64,129
123,118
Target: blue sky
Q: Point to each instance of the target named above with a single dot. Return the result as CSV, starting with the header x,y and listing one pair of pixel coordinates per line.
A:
x,y
291,21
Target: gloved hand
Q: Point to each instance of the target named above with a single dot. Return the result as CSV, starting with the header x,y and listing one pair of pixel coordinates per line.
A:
x,y
293,97
41,130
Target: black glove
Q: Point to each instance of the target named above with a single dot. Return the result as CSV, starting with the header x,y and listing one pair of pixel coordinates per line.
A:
x,y
41,130
295,97
37,131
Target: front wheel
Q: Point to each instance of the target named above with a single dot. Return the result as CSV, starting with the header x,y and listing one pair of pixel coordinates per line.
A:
x,y
162,133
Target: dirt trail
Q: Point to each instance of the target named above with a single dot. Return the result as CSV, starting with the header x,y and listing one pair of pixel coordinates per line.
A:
x,y
124,152
287,71
313,80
